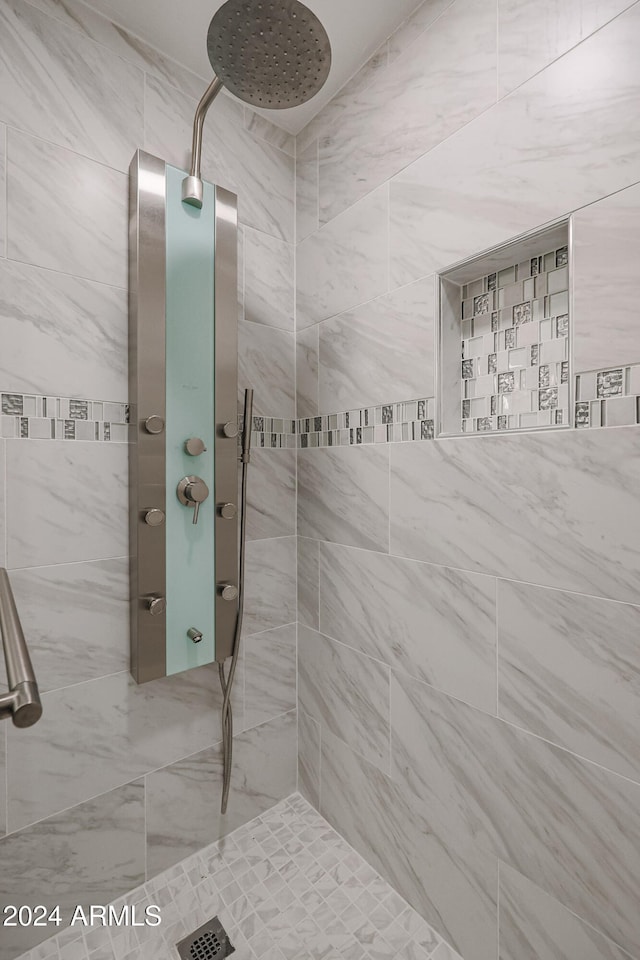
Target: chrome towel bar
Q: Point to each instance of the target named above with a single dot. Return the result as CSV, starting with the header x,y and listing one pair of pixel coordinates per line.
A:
x,y
22,701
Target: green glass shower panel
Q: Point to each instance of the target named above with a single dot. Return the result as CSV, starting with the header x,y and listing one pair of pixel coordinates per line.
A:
x,y
190,341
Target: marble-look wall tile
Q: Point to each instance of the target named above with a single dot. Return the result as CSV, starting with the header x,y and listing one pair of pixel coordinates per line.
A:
x,y
309,758
568,825
331,115
88,854
268,280
106,732
308,582
459,503
569,671
481,187
415,25
381,352
269,674
76,618
3,503
438,625
606,247
346,692
307,220
271,494
261,175
65,501
534,926
74,219
61,336
67,89
343,496
3,188
399,117
307,372
266,362
559,26
344,263
183,800
259,126
452,884
90,23
270,599
3,783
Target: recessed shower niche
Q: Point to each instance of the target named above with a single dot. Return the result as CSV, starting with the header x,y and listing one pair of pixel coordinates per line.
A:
x,y
504,332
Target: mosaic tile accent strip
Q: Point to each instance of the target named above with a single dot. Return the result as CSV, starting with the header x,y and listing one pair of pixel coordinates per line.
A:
x,y
608,398
285,886
386,423
515,329
271,432
60,418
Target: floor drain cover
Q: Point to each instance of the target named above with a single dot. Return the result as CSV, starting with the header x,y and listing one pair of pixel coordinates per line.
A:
x,y
208,942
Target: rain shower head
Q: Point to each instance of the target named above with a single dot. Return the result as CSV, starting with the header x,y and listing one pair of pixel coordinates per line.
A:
x,y
268,53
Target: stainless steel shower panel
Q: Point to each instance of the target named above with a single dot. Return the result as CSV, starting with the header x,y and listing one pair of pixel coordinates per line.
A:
x,y
226,403
148,413
147,399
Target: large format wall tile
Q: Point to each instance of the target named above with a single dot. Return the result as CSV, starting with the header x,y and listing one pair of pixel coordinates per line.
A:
x,y
183,800
76,619
450,882
565,823
569,671
74,219
436,624
270,599
103,733
3,784
66,501
344,263
271,494
269,674
347,692
269,295
444,79
606,248
309,758
308,581
261,175
3,504
85,20
88,854
534,926
266,362
549,148
559,26
307,372
67,89
61,336
557,509
307,191
381,352
343,495
3,189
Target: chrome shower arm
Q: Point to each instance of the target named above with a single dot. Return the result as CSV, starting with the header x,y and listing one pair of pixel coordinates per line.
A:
x,y
192,189
22,701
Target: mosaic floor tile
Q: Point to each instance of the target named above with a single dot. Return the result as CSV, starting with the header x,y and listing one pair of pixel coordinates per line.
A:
x,y
285,886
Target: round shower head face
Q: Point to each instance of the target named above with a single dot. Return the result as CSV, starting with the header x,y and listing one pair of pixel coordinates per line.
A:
x,y
269,53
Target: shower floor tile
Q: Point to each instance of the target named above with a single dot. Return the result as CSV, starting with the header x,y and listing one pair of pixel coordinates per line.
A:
x,y
285,886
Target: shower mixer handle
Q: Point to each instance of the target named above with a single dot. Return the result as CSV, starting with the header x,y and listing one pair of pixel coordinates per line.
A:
x,y
192,491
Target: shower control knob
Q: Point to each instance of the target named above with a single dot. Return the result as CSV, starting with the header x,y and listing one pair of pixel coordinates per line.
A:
x,y
230,429
194,446
154,517
156,605
227,510
228,591
192,491
194,634
154,424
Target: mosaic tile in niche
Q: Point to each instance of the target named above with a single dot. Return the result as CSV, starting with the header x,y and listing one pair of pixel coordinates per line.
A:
x,y
481,304
510,338
522,313
562,325
468,369
506,382
548,398
562,257
610,383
